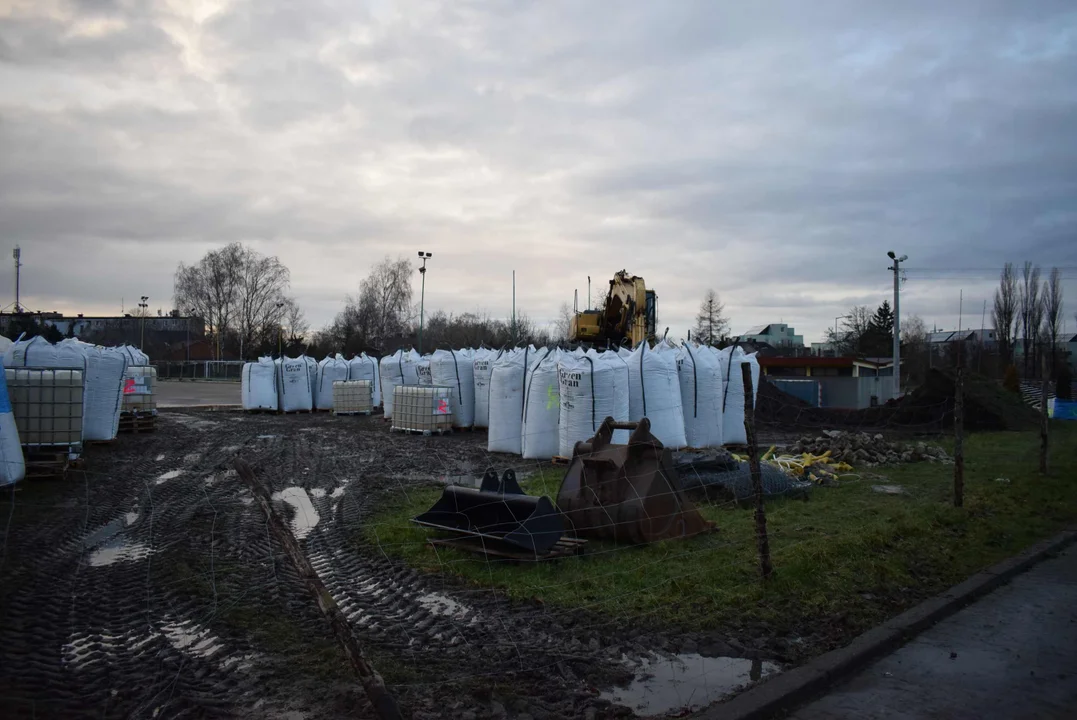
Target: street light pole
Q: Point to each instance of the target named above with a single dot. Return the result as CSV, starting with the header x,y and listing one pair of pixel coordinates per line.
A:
x,y
280,329
424,256
896,267
189,335
142,335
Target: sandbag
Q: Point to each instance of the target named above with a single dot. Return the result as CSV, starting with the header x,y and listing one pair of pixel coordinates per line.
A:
x,y
507,380
733,432
700,379
541,407
400,368
655,393
12,464
258,385
364,367
587,395
482,365
294,384
455,369
329,370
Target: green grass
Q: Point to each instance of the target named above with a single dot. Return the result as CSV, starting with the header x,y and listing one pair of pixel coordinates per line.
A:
x,y
844,560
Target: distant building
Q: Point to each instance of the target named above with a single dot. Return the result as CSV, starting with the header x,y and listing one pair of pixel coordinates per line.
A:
x,y
777,335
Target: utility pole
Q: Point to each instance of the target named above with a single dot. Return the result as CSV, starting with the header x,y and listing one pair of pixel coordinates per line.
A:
x,y
280,330
588,292
17,254
896,267
514,306
424,256
142,336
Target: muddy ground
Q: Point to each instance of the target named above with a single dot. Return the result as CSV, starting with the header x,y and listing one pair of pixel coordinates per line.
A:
x,y
147,585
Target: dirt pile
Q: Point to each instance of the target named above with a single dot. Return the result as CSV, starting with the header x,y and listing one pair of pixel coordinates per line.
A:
x,y
988,405
866,450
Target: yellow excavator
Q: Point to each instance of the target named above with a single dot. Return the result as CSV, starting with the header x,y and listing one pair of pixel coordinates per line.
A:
x,y
628,316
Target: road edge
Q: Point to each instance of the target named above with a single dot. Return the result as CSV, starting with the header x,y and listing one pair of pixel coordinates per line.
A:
x,y
794,687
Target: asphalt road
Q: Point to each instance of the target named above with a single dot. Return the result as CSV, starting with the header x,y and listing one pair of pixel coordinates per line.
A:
x,y
188,393
1012,654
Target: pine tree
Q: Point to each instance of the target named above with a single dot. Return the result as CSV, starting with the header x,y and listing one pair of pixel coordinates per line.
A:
x,y
711,322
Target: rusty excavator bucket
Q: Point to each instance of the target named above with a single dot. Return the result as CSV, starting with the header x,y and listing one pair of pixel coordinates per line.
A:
x,y
499,515
627,493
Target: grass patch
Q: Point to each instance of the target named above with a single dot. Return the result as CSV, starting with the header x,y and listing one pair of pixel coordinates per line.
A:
x,y
848,557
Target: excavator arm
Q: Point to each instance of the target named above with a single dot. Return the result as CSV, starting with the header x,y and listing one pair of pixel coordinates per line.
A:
x,y
627,316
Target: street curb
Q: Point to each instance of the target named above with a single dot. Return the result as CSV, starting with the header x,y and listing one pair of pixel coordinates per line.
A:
x,y
796,686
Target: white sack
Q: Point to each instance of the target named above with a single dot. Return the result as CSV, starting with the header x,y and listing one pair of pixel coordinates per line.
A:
x,y
733,432
621,387
12,464
330,370
482,363
700,376
655,392
588,395
400,368
508,375
4,344
135,357
294,386
455,369
541,407
364,367
312,370
258,385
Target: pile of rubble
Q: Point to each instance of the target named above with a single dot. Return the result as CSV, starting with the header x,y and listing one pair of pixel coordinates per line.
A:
x,y
866,450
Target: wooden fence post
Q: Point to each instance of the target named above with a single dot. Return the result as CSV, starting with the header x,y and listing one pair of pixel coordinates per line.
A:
x,y
384,704
1043,425
761,538
959,438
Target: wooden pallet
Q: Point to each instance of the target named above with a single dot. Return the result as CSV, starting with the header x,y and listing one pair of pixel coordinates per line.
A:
x,y
354,412
296,412
565,547
262,411
49,464
424,433
468,429
136,424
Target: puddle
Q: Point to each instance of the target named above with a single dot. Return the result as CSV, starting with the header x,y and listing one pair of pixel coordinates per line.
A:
x,y
889,489
170,475
442,605
193,639
305,516
338,493
160,457
686,682
130,518
118,550
317,492
192,458
267,437
192,422
230,448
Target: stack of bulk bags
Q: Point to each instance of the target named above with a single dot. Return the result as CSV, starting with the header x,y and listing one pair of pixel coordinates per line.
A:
x,y
508,377
733,432
587,387
330,370
12,464
103,373
542,407
364,367
135,357
400,368
295,390
482,368
700,376
655,392
455,369
259,385
624,352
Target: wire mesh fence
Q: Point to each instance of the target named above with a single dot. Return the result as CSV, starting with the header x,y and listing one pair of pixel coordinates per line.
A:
x,y
199,370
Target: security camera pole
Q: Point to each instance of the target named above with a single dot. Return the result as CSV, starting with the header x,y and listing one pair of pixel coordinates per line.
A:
x,y
424,256
897,319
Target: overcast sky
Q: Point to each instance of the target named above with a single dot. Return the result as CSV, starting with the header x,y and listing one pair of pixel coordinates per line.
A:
x,y
772,151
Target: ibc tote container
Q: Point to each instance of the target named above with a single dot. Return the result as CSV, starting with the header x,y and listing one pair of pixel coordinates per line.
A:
x,y
422,408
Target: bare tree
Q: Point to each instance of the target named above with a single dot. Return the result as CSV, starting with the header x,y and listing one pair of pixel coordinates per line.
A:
x,y
210,289
1031,306
711,322
294,320
1004,312
1052,312
562,326
262,284
854,327
380,312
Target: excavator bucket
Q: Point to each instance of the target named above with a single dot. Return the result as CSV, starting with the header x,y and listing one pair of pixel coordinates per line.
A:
x,y
627,493
498,513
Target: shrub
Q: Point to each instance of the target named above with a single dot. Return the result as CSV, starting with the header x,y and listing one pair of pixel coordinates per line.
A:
x,y
1011,382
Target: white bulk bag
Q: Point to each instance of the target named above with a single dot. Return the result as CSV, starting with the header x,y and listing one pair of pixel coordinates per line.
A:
x,y
103,373
588,395
507,380
294,386
330,370
422,370
312,370
482,364
621,384
624,352
699,374
655,392
455,369
135,357
12,464
542,407
4,344
364,367
733,432
259,385
400,368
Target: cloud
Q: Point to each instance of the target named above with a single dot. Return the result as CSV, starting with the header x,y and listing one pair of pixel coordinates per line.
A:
x,y
773,156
